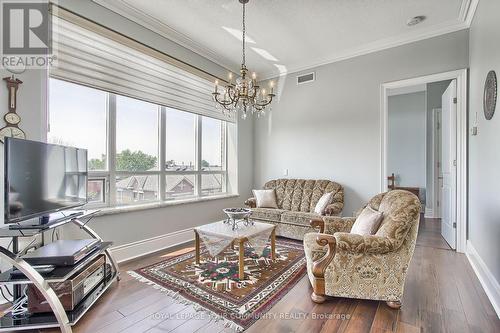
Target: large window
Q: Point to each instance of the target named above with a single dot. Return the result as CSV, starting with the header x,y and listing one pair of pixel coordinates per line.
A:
x,y
139,152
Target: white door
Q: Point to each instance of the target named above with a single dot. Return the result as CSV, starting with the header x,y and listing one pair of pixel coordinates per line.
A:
x,y
449,164
437,167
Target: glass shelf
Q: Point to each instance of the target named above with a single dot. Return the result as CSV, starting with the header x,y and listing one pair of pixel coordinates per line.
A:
x,y
29,228
48,320
59,274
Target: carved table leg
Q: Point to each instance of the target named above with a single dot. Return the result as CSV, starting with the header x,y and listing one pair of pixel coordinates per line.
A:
x,y
273,244
241,264
197,247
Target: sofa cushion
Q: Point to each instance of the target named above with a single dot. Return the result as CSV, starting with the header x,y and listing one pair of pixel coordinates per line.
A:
x,y
323,202
302,218
269,214
367,222
265,198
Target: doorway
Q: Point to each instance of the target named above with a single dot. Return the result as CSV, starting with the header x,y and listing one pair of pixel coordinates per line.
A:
x,y
423,145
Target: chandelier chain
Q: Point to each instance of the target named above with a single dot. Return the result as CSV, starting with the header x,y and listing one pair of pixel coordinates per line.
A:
x,y
244,33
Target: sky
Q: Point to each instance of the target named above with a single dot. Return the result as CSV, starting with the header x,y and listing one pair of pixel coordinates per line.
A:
x,y
77,117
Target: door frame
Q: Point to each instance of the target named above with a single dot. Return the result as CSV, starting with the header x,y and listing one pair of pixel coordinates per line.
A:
x,y
461,77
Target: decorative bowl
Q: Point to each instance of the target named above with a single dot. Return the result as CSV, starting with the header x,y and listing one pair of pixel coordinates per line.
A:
x,y
237,213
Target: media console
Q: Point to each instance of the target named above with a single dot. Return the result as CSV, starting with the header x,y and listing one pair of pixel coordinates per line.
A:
x,y
42,282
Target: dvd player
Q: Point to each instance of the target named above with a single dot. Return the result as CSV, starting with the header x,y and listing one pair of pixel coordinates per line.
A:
x,y
67,252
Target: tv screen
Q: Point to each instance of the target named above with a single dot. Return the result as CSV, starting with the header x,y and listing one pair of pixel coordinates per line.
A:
x,y
42,178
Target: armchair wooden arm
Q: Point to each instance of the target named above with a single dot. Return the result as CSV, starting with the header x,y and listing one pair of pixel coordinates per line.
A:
x,y
319,267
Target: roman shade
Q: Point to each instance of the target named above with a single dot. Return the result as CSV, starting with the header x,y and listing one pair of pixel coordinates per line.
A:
x,y
95,56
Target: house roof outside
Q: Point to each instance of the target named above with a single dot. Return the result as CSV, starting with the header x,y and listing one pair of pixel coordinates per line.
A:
x,y
149,183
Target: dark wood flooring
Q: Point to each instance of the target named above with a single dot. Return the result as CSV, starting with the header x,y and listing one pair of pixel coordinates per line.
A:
x,y
442,295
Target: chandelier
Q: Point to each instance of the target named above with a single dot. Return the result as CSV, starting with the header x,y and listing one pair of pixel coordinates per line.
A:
x,y
244,95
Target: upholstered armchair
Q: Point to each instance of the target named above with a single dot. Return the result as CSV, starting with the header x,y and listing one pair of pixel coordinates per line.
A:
x,y
368,267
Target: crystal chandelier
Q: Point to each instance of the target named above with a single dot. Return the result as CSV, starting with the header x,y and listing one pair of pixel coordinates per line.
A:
x,y
244,95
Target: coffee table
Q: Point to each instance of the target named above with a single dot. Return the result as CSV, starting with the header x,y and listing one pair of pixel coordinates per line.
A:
x,y
224,236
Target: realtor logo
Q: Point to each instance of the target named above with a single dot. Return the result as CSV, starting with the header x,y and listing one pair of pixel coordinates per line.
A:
x,y
26,35
26,28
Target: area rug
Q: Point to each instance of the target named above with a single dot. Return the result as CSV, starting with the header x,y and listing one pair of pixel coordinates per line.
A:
x,y
213,286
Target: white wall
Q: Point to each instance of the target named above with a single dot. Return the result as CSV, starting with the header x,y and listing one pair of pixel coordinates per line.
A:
x,y
331,128
484,151
406,134
134,226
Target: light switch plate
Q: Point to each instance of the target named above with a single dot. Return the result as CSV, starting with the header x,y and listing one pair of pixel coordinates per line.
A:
x,y
473,131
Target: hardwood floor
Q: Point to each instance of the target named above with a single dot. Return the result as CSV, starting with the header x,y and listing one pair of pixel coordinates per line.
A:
x,y
442,295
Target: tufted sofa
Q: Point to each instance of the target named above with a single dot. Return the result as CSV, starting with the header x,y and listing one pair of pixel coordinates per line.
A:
x,y
369,267
296,200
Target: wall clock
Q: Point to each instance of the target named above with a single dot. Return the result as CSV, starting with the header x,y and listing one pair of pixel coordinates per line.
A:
x,y
12,118
490,95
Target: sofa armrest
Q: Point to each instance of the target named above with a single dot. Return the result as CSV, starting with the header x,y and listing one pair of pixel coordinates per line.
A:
x,y
363,244
319,265
251,202
333,224
334,209
318,224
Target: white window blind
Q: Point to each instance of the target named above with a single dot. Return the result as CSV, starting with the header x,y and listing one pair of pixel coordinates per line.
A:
x,y
92,55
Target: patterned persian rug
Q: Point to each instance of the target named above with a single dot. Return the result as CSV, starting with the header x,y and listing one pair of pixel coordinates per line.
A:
x,y
213,286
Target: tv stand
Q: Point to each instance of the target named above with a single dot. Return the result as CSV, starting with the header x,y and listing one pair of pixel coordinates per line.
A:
x,y
59,318
45,222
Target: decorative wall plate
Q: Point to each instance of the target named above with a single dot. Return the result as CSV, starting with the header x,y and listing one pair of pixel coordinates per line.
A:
x,y
490,95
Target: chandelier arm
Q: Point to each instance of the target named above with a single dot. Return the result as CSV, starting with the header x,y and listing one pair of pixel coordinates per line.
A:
x,y
216,98
267,101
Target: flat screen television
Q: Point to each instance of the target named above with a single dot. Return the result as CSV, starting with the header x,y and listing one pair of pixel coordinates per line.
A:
x,y
42,178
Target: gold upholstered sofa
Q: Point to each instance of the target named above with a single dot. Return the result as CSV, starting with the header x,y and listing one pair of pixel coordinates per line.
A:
x,y
368,267
296,200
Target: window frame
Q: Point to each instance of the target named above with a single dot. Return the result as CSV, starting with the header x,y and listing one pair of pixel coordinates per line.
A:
x,y
110,174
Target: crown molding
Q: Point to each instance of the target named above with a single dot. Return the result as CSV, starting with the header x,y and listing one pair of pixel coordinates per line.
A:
x,y
467,11
122,8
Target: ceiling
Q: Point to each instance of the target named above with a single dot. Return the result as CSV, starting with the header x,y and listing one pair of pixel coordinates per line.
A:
x,y
292,35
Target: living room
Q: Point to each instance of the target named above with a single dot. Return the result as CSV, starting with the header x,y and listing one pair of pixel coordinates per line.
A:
x,y
147,90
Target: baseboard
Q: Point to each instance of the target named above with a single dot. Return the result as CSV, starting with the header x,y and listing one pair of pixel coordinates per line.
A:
x,y
143,247
488,281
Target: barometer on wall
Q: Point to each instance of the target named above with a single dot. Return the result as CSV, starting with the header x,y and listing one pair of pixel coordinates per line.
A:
x,y
12,118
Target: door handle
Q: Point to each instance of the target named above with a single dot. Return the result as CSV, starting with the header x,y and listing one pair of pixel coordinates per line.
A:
x,y
441,178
